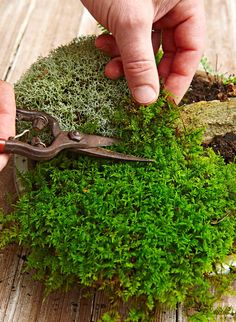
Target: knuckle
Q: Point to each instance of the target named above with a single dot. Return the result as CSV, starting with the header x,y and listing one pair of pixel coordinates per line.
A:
x,y
129,22
128,18
139,67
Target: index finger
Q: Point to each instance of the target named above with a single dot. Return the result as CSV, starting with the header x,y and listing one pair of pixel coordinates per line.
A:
x,y
7,116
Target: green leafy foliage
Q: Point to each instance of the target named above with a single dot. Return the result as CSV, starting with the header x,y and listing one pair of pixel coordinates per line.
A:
x,y
220,77
230,80
140,230
151,232
110,317
103,29
207,66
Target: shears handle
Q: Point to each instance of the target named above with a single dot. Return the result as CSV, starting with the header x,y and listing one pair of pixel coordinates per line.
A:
x,y
2,145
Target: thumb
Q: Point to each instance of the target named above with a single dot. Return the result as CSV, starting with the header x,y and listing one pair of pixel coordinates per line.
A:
x,y
139,64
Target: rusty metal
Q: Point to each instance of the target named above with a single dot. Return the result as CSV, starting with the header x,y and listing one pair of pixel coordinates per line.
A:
x,y
78,142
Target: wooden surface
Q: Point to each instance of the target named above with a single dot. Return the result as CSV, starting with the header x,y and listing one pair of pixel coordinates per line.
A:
x,y
221,35
31,28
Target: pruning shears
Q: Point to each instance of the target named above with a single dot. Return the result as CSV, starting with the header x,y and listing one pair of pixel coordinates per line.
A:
x,y
81,143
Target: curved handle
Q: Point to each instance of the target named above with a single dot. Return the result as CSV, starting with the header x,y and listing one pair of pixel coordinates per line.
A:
x,y
39,120
2,145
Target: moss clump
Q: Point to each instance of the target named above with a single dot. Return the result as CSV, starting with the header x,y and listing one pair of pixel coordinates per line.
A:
x,y
148,232
70,84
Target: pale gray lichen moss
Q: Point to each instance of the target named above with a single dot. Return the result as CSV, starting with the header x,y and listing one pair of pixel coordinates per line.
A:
x,y
70,84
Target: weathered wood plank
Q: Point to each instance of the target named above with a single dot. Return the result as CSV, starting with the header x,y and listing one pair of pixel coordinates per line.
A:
x,y
51,24
88,26
29,28
75,305
10,266
221,35
25,298
165,315
27,302
102,304
14,18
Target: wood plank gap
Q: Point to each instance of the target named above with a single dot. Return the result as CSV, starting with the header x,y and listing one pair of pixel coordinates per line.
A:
x,y
9,261
86,304
93,307
179,313
165,314
79,305
13,297
19,38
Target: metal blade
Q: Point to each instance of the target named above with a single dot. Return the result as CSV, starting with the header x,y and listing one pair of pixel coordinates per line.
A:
x,y
91,140
107,154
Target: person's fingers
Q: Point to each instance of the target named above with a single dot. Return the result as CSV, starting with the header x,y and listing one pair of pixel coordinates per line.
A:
x,y
7,116
178,67
183,46
176,76
156,40
107,44
139,63
131,25
114,69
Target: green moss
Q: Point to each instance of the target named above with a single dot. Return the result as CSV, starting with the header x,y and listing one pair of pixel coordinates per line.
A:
x,y
151,232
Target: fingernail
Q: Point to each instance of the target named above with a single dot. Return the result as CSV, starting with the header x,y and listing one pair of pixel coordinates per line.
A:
x,y
144,94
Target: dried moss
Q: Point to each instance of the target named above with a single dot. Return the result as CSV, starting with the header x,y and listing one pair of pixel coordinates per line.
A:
x,y
70,84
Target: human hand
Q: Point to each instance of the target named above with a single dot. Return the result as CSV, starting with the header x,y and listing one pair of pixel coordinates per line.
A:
x,y
138,28
7,116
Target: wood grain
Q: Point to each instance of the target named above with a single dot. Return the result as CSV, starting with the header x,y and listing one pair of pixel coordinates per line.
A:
x,y
221,35
14,16
10,267
51,23
28,29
